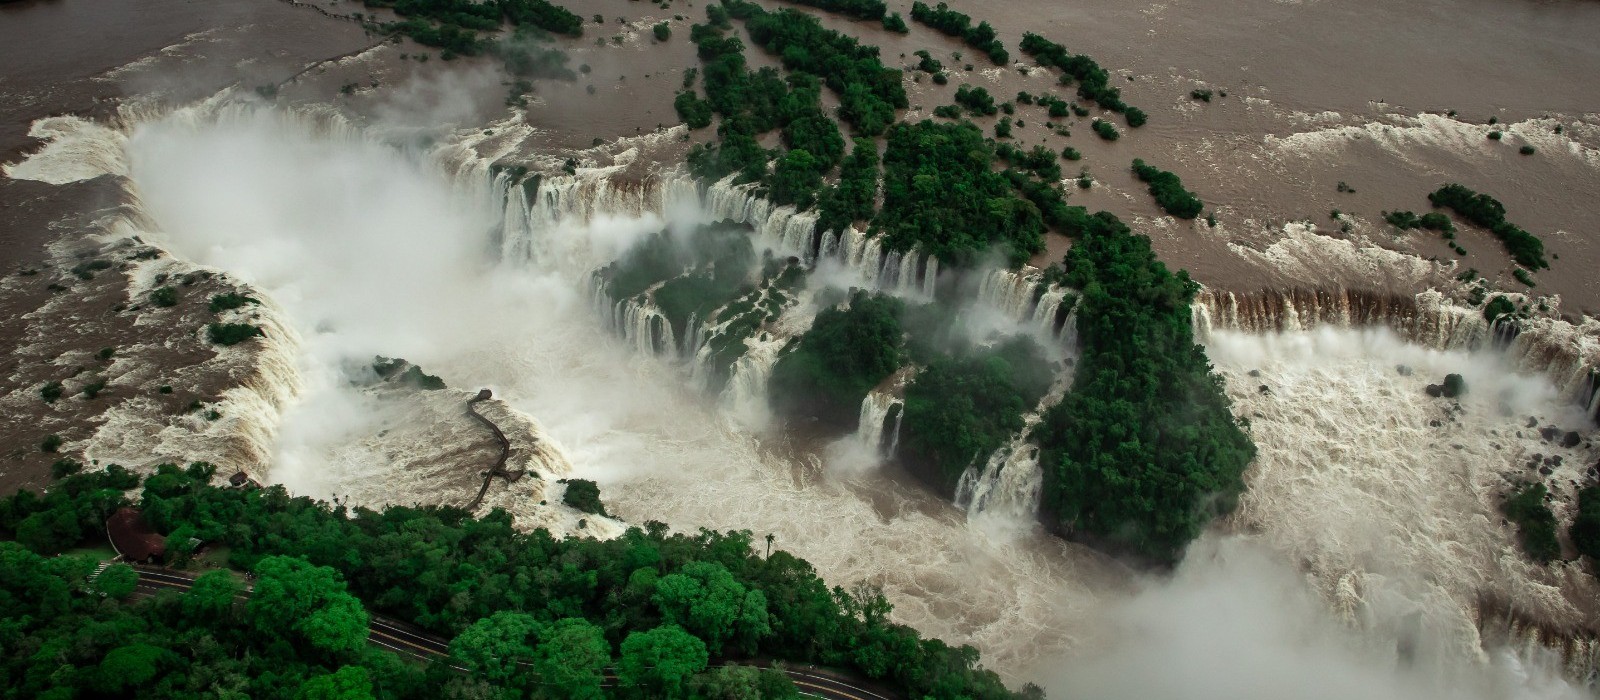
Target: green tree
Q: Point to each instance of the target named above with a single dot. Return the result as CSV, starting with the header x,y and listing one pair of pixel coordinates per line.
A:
x,y
494,645
737,682
347,683
130,666
705,599
661,661
310,600
571,659
117,581
212,596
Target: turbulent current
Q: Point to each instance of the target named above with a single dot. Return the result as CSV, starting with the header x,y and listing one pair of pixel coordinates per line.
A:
x,y
1353,568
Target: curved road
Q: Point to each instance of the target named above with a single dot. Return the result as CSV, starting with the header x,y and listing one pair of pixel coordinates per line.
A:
x,y
402,638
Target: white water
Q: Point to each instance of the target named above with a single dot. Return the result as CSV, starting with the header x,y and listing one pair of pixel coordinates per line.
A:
x,y
382,254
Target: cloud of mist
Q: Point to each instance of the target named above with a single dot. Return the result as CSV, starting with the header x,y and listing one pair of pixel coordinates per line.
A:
x,y
1237,622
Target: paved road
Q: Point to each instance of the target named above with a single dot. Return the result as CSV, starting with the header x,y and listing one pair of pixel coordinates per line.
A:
x,y
405,639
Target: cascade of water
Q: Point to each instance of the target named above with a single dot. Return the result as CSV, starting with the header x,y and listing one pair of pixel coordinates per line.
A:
x,y
874,418
1566,352
1008,484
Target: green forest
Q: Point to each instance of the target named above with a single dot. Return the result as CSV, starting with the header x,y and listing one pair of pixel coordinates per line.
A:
x,y
529,615
1144,450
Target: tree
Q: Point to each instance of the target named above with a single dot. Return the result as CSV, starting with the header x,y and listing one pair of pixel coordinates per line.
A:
x,y
1585,530
347,683
493,645
660,661
117,581
706,600
737,682
291,594
212,596
130,666
571,659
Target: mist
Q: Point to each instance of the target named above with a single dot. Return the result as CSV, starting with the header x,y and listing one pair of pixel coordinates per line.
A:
x,y
1237,622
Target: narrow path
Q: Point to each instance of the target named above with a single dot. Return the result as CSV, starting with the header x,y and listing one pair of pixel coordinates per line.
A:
x,y
402,638
499,468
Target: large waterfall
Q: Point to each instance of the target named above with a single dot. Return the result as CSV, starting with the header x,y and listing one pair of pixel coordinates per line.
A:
x,y
1568,353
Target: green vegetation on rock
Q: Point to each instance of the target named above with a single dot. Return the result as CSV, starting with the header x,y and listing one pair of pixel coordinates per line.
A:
x,y
947,21
1486,211
1536,525
1168,191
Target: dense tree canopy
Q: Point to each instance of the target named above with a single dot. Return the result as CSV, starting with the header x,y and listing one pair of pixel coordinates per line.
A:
x,y
848,350
961,408
1144,450
941,194
667,603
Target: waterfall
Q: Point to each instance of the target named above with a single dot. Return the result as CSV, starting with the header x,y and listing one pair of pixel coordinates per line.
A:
x,y
1568,353
876,410
1008,484
1024,297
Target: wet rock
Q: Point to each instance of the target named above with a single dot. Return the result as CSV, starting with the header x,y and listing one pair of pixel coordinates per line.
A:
x,y
1402,370
1255,373
1263,390
1532,464
1545,471
1434,423
1435,390
1549,433
1554,460
1571,439
1532,422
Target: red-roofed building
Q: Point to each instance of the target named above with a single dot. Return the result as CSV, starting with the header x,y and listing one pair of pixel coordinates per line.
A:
x,y
133,538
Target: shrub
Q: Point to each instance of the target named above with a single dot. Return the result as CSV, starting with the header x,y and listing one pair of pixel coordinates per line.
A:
x,y
1201,95
1168,191
1537,525
1093,81
1486,211
1071,153
583,495
895,23
106,353
226,334
164,297
1526,150
65,467
50,392
165,389
1002,128
978,100
1523,276
1498,307
51,443
1105,130
229,302
94,388
1585,530
1494,136
695,112
662,31
1136,117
